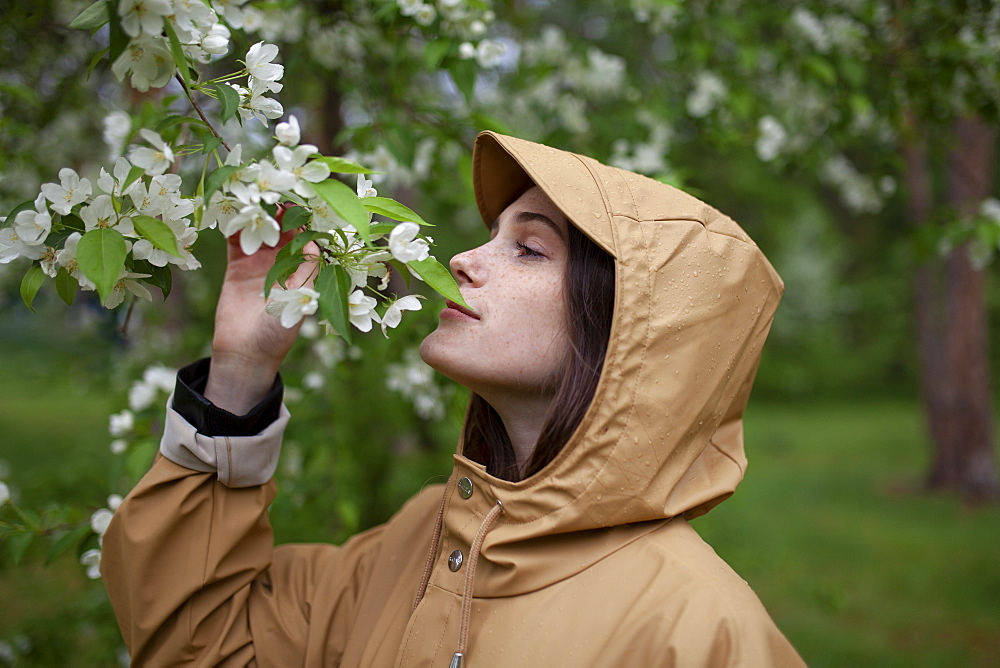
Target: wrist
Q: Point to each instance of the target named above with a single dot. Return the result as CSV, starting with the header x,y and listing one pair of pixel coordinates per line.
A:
x,y
237,383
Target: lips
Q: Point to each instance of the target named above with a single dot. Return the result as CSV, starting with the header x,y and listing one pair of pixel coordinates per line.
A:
x,y
461,309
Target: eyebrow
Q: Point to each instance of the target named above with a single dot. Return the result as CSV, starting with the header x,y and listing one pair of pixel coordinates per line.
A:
x,y
532,216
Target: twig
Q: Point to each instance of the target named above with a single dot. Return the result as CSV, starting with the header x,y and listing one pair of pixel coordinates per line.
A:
x,y
197,108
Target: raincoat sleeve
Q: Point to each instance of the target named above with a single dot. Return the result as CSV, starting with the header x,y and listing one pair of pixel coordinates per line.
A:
x,y
189,564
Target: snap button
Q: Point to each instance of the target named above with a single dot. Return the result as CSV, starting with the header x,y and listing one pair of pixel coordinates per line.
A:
x,y
464,487
455,560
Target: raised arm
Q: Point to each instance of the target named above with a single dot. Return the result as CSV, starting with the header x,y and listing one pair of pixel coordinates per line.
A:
x,y
184,556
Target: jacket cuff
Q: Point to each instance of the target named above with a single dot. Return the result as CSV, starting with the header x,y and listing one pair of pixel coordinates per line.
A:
x,y
209,419
238,461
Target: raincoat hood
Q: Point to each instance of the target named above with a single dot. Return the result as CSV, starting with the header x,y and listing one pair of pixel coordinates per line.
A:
x,y
694,300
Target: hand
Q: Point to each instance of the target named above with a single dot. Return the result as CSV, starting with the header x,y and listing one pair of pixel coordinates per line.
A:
x,y
249,345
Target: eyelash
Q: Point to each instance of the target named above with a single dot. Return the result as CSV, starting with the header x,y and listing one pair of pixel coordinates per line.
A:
x,y
528,251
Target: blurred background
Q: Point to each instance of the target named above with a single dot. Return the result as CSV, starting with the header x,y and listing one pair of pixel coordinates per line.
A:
x,y
855,140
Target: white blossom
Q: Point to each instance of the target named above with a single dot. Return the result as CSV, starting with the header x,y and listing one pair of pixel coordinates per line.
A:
x,y
256,105
220,211
293,161
425,15
71,191
118,446
33,227
325,219
990,208
148,58
264,182
143,16
708,91
409,7
290,306
811,28
67,259
117,128
288,133
12,247
466,50
259,63
231,10
154,161
361,310
770,139
394,314
101,214
216,42
489,52
365,187
92,560
256,227
100,520
112,184
404,245
4,493
114,500
127,283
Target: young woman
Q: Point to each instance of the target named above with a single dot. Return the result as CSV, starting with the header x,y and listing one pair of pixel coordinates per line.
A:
x,y
616,328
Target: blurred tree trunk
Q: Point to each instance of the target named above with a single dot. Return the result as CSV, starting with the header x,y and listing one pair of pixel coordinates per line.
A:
x,y
951,316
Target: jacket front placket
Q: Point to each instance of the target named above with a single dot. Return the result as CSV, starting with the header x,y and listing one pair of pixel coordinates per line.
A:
x,y
435,631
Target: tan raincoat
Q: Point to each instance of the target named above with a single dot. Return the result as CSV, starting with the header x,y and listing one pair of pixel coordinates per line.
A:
x,y
590,562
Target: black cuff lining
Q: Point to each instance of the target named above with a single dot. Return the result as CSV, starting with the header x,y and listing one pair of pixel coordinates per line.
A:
x,y
209,419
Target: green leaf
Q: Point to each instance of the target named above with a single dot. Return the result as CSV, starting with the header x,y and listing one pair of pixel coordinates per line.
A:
x,y
132,176
66,286
157,233
101,256
67,541
334,285
23,206
159,277
346,203
31,283
139,457
177,51
298,243
342,165
436,275
295,217
822,69
228,98
96,59
177,119
464,74
117,38
18,545
434,53
92,17
216,179
285,264
211,144
390,208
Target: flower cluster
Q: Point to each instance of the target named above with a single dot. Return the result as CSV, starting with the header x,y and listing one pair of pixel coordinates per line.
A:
x,y
138,202
99,522
465,20
415,380
192,23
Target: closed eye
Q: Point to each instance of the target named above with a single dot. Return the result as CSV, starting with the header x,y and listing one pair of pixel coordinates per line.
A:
x,y
527,251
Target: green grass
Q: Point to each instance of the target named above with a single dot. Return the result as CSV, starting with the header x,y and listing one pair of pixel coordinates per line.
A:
x,y
855,563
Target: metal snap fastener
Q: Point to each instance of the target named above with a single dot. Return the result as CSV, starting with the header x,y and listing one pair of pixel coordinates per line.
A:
x,y
455,560
464,487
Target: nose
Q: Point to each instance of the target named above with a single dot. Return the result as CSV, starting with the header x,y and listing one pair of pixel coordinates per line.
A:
x,y
467,268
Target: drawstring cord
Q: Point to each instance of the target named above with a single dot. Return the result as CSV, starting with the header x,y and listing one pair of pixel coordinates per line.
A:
x,y
470,573
470,576
431,554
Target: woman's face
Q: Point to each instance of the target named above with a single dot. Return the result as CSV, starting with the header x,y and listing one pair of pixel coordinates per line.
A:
x,y
513,346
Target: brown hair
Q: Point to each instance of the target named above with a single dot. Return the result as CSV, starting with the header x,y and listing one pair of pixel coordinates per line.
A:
x,y
590,297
